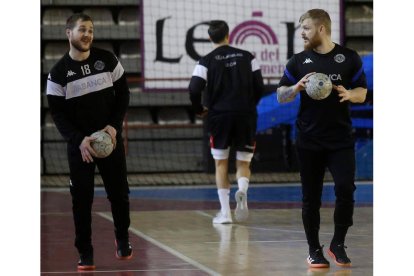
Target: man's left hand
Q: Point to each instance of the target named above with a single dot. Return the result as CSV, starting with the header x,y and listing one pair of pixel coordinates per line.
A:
x,y
344,94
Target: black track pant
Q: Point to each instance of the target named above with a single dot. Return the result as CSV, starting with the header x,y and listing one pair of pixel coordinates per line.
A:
x,y
341,164
113,172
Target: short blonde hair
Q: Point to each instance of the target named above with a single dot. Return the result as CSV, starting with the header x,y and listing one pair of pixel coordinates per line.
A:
x,y
319,16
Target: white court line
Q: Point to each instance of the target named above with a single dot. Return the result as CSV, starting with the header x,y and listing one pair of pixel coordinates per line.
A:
x,y
284,241
202,213
117,271
303,231
165,247
57,214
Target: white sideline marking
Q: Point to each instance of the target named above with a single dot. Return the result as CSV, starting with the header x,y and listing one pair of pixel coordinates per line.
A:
x,y
285,241
165,247
112,271
116,271
202,213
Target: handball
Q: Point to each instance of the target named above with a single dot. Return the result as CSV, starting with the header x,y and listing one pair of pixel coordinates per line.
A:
x,y
319,86
102,145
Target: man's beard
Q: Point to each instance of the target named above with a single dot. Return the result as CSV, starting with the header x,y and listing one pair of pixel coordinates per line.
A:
x,y
78,46
313,42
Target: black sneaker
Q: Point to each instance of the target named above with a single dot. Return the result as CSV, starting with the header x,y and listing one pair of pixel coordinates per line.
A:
x,y
316,259
123,250
86,261
337,252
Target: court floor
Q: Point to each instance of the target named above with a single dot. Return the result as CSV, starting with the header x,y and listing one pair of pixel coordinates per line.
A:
x,y
172,234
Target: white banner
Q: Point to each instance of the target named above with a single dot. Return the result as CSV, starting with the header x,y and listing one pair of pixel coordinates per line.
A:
x,y
175,34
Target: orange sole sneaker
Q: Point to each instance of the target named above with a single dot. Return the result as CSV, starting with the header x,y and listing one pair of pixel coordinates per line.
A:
x,y
330,253
122,257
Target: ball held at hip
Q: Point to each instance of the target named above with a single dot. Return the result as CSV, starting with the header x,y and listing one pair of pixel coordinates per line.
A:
x,y
102,145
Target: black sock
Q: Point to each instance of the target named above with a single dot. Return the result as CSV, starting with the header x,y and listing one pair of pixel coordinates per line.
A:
x,y
339,235
313,240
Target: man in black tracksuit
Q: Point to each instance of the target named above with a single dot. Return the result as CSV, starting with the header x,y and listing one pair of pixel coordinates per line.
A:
x,y
234,87
87,91
324,130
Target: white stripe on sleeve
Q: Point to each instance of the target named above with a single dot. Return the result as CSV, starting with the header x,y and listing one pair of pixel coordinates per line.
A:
x,y
55,89
200,71
117,73
255,65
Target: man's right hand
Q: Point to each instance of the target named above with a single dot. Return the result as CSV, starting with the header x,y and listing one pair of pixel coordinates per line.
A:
x,y
203,113
86,149
301,85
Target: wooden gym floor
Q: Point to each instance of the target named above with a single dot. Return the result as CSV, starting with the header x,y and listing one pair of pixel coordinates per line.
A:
x,y
172,234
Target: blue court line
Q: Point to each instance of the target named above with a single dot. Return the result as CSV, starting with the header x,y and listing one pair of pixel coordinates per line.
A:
x,y
276,193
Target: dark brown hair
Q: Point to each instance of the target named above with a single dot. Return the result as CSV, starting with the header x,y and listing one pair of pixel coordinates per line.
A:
x,y
71,21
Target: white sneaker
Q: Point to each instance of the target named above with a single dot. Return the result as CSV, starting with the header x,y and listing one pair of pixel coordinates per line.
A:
x,y
222,218
242,212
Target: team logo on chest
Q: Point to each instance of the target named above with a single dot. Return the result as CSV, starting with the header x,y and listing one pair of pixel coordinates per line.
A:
x,y
339,58
307,60
99,65
70,73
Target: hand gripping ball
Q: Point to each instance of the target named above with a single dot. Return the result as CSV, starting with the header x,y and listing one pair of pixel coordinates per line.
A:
x,y
102,145
319,86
